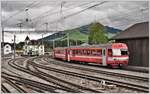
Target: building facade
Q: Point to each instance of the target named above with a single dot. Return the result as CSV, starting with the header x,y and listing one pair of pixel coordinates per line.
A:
x,y
137,39
33,47
7,48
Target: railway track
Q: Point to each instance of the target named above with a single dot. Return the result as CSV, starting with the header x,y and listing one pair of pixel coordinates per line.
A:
x,y
57,80
46,78
72,84
133,86
32,68
99,71
18,88
34,86
14,65
4,89
24,81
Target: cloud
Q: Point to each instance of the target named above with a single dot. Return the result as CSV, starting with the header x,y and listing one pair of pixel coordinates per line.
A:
x,y
8,37
118,14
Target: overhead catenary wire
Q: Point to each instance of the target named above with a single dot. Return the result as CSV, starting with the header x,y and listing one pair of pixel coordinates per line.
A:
x,y
65,10
119,16
114,17
21,10
73,14
46,14
40,17
74,27
122,17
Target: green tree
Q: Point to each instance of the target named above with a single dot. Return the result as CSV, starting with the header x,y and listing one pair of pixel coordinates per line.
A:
x,y
97,34
19,46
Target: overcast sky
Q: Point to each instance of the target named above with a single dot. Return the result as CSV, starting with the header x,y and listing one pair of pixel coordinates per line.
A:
x,y
111,13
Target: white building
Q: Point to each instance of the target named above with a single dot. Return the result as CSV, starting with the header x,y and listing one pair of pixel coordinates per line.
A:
x,y
7,48
33,47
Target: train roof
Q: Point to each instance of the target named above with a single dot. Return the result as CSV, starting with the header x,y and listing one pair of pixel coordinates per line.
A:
x,y
110,45
93,46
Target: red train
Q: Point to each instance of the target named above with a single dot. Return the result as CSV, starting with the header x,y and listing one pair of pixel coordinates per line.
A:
x,y
112,55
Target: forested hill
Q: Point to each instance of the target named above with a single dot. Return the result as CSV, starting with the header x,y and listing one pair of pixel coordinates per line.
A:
x,y
80,33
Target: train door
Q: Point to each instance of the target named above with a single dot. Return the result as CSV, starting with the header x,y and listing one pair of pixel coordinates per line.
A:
x,y
67,54
104,57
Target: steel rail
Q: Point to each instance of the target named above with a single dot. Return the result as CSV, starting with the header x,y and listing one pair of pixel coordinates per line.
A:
x,y
109,81
68,89
101,71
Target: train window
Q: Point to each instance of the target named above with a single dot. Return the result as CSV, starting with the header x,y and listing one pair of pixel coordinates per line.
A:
x,y
85,52
88,52
80,52
94,53
109,52
124,52
99,52
76,51
73,52
116,52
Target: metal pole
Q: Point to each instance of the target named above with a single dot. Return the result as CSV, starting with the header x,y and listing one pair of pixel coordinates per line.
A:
x,y
46,27
14,46
2,42
76,42
68,42
53,44
42,39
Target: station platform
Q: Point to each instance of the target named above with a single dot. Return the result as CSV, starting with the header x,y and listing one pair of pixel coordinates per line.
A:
x,y
137,68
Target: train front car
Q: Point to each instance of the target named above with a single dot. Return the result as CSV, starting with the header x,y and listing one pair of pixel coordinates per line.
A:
x,y
117,55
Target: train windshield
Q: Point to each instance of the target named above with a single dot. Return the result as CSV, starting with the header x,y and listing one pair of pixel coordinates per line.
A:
x,y
124,51
119,52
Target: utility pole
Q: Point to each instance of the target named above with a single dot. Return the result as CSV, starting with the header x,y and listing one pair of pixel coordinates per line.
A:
x,y
14,46
20,26
46,25
76,42
42,39
53,44
68,42
2,42
46,29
